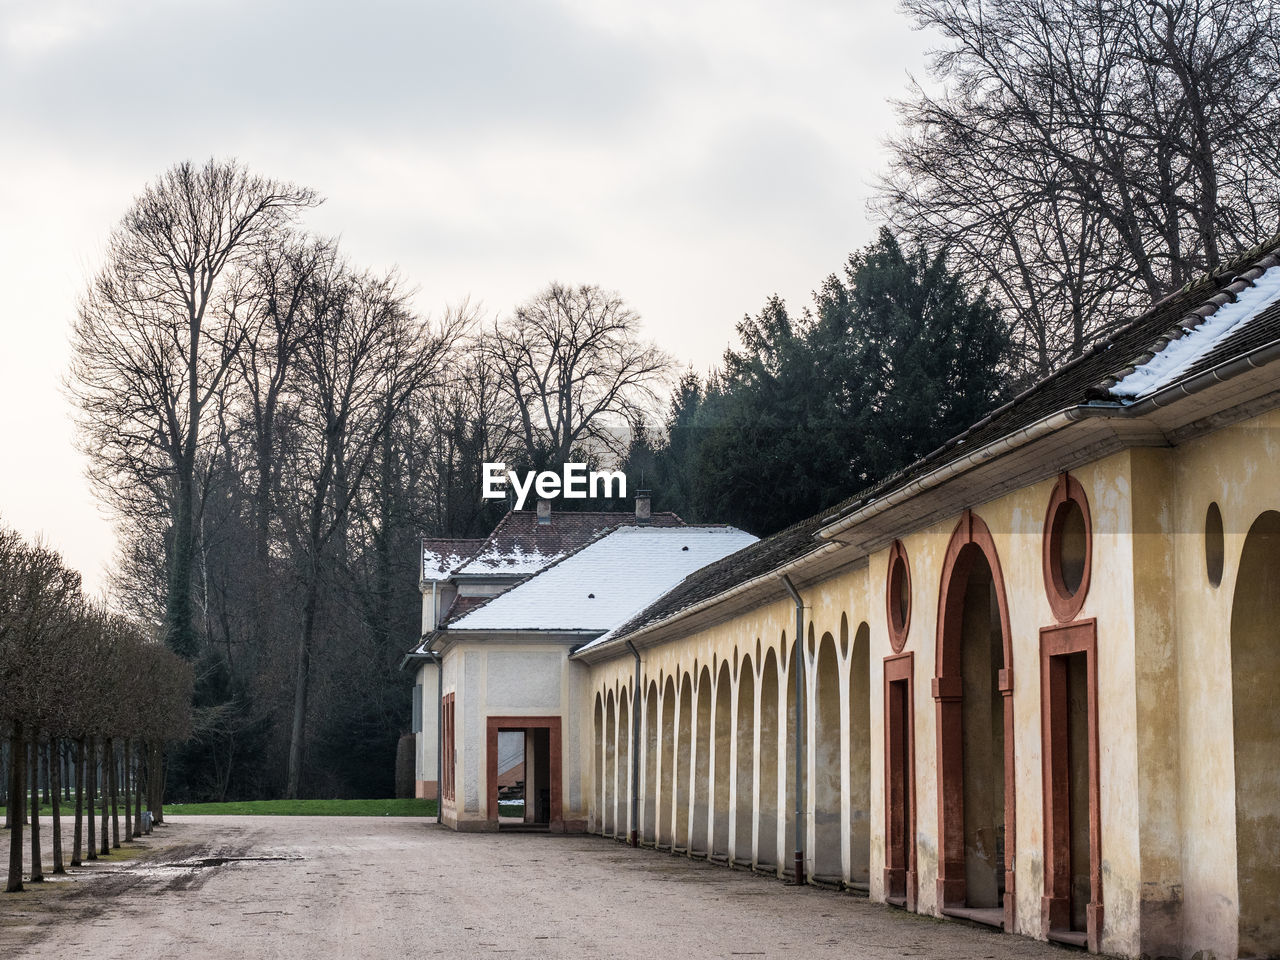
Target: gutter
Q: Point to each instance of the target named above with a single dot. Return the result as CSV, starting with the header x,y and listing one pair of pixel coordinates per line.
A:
x,y
635,751
799,761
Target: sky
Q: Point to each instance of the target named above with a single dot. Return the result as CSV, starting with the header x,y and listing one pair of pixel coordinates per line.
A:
x,y
694,157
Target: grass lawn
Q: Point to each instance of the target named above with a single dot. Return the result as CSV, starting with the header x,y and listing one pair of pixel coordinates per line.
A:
x,y
310,808
286,808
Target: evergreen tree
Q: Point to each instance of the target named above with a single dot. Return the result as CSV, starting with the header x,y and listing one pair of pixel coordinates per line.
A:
x,y
895,357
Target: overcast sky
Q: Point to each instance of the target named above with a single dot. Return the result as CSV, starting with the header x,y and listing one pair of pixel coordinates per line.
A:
x,y
696,157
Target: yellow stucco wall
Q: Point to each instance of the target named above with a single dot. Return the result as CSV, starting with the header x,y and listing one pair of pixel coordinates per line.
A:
x,y
501,678
1164,683
1239,469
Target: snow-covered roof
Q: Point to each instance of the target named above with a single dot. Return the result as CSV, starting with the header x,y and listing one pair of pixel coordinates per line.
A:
x,y
1181,354
520,545
517,562
606,582
440,557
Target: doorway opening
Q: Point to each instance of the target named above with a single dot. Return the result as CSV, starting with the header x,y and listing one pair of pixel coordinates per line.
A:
x,y
973,691
1255,672
530,745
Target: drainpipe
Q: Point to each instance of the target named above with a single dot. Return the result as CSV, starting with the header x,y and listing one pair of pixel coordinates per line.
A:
x,y
439,658
635,750
799,720
439,662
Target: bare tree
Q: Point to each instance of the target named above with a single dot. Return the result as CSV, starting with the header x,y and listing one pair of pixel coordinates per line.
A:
x,y
155,342
574,367
362,360
1083,158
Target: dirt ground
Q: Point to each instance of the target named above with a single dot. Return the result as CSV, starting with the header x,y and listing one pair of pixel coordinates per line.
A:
x,y
337,887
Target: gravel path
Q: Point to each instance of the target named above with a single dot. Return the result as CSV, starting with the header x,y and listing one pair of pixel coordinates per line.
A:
x,y
337,887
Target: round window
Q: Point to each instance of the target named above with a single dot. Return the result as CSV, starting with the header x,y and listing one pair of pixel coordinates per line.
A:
x,y
1213,544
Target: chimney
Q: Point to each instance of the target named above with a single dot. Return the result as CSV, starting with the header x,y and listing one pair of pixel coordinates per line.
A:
x,y
544,512
642,506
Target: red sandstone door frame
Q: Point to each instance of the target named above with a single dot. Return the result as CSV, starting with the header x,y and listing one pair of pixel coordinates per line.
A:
x,y
948,687
900,755
552,725
1056,643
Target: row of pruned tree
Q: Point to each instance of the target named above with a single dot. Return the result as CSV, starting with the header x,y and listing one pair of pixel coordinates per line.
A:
x,y
81,690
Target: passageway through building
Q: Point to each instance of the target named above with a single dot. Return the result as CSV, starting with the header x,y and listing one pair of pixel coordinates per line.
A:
x,y
702,765
622,800
666,763
745,764
983,750
767,830
649,829
826,774
597,763
610,767
682,771
530,800
973,692
859,757
723,772
787,762
1255,677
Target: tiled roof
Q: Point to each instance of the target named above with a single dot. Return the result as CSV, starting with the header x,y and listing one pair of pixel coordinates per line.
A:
x,y
461,606
1089,379
440,557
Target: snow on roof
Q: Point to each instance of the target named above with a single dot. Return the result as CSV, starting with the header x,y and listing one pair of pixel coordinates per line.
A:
x,y
440,557
517,562
1180,355
606,582
519,545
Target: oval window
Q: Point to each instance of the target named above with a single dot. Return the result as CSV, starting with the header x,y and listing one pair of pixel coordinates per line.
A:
x,y
1070,536
1068,548
1213,544
898,596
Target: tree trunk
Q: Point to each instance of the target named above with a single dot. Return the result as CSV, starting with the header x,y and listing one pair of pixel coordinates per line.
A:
x,y
300,690
137,793
113,780
17,795
124,776
77,842
104,838
37,865
4,784
91,781
155,783
55,791
179,632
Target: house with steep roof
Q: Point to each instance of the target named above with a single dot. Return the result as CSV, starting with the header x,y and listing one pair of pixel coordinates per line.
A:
x,y
460,575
